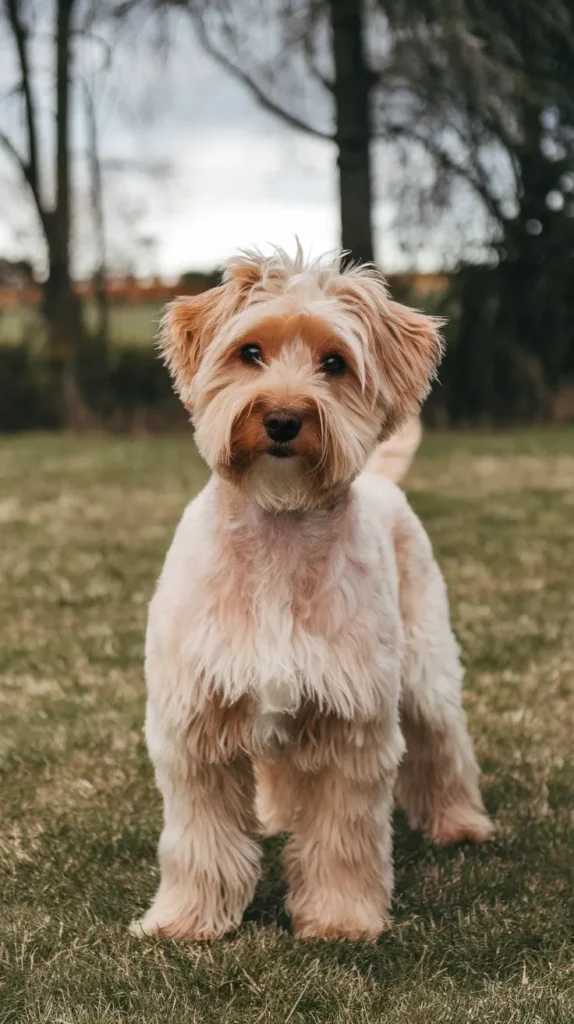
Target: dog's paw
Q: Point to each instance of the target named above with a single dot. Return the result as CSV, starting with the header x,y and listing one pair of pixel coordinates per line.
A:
x,y
183,928
335,932
461,823
142,927
351,929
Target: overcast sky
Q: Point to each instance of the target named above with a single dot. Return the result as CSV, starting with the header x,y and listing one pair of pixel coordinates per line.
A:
x,y
237,177
240,176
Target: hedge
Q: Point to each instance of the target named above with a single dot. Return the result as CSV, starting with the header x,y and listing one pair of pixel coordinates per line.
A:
x,y
132,391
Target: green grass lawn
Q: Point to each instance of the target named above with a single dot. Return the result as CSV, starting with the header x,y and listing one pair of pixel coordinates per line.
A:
x,y
479,934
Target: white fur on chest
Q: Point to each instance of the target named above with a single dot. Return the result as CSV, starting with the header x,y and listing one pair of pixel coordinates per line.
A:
x,y
274,662
257,626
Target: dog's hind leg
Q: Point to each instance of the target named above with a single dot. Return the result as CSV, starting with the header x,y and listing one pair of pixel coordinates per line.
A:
x,y
275,801
438,778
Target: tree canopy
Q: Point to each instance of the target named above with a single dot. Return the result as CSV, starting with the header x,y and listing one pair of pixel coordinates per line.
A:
x,y
476,98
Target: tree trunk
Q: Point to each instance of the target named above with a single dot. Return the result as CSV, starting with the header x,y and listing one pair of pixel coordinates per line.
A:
x,y
101,337
62,307
352,88
63,314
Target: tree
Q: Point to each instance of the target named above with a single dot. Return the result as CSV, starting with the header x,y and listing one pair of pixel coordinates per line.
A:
x,y
98,221
67,25
482,91
491,101
294,37
61,306
352,82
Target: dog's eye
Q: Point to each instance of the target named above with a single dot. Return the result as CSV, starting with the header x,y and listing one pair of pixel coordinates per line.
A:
x,y
334,365
250,353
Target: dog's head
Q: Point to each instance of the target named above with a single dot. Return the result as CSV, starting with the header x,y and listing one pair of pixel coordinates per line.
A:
x,y
293,372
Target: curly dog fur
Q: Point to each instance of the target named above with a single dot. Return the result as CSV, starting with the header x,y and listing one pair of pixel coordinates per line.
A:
x,y
301,669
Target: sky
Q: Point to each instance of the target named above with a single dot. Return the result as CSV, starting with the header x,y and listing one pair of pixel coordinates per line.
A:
x,y
236,175
240,176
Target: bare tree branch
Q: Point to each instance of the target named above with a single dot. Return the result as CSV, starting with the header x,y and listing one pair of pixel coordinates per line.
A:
x,y
262,98
6,141
448,164
98,217
30,166
320,77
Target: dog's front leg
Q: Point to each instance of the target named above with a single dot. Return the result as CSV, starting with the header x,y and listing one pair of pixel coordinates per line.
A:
x,y
339,859
208,859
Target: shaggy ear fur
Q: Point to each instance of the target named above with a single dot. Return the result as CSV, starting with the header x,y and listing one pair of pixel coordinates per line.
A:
x,y
405,344
186,328
190,323
410,350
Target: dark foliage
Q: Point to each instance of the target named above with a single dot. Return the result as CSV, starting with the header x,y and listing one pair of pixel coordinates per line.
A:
x,y
26,392
131,392
481,94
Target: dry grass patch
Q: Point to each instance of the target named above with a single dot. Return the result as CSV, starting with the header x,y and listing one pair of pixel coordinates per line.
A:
x,y
479,935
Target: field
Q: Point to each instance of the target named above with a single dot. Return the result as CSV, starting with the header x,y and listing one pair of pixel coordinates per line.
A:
x,y
479,934
131,323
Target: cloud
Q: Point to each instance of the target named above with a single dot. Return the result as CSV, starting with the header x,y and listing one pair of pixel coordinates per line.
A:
x,y
238,176
212,230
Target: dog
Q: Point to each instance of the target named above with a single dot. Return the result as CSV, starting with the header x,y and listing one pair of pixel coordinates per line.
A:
x,y
302,673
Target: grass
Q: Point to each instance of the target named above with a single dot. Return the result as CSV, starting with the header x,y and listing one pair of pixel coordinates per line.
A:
x,y
131,323
479,934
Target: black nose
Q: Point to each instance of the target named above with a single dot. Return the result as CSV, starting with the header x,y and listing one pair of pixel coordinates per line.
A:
x,y
282,426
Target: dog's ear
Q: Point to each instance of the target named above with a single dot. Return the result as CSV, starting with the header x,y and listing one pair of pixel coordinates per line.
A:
x,y
191,322
187,326
409,349
404,344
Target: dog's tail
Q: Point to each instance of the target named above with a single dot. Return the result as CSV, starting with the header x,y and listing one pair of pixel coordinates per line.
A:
x,y
393,457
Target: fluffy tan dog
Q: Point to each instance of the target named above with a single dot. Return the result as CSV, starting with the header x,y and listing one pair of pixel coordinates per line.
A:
x,y
299,638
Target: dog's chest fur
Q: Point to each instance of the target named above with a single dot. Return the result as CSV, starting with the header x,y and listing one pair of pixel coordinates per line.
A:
x,y
287,609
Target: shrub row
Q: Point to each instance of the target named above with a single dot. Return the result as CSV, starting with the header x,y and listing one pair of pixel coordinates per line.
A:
x,y
479,385
132,392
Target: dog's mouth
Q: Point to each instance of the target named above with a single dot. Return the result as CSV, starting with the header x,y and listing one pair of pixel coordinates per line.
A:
x,y
280,451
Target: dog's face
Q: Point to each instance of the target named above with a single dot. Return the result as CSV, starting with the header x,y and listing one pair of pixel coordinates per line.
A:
x,y
293,373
